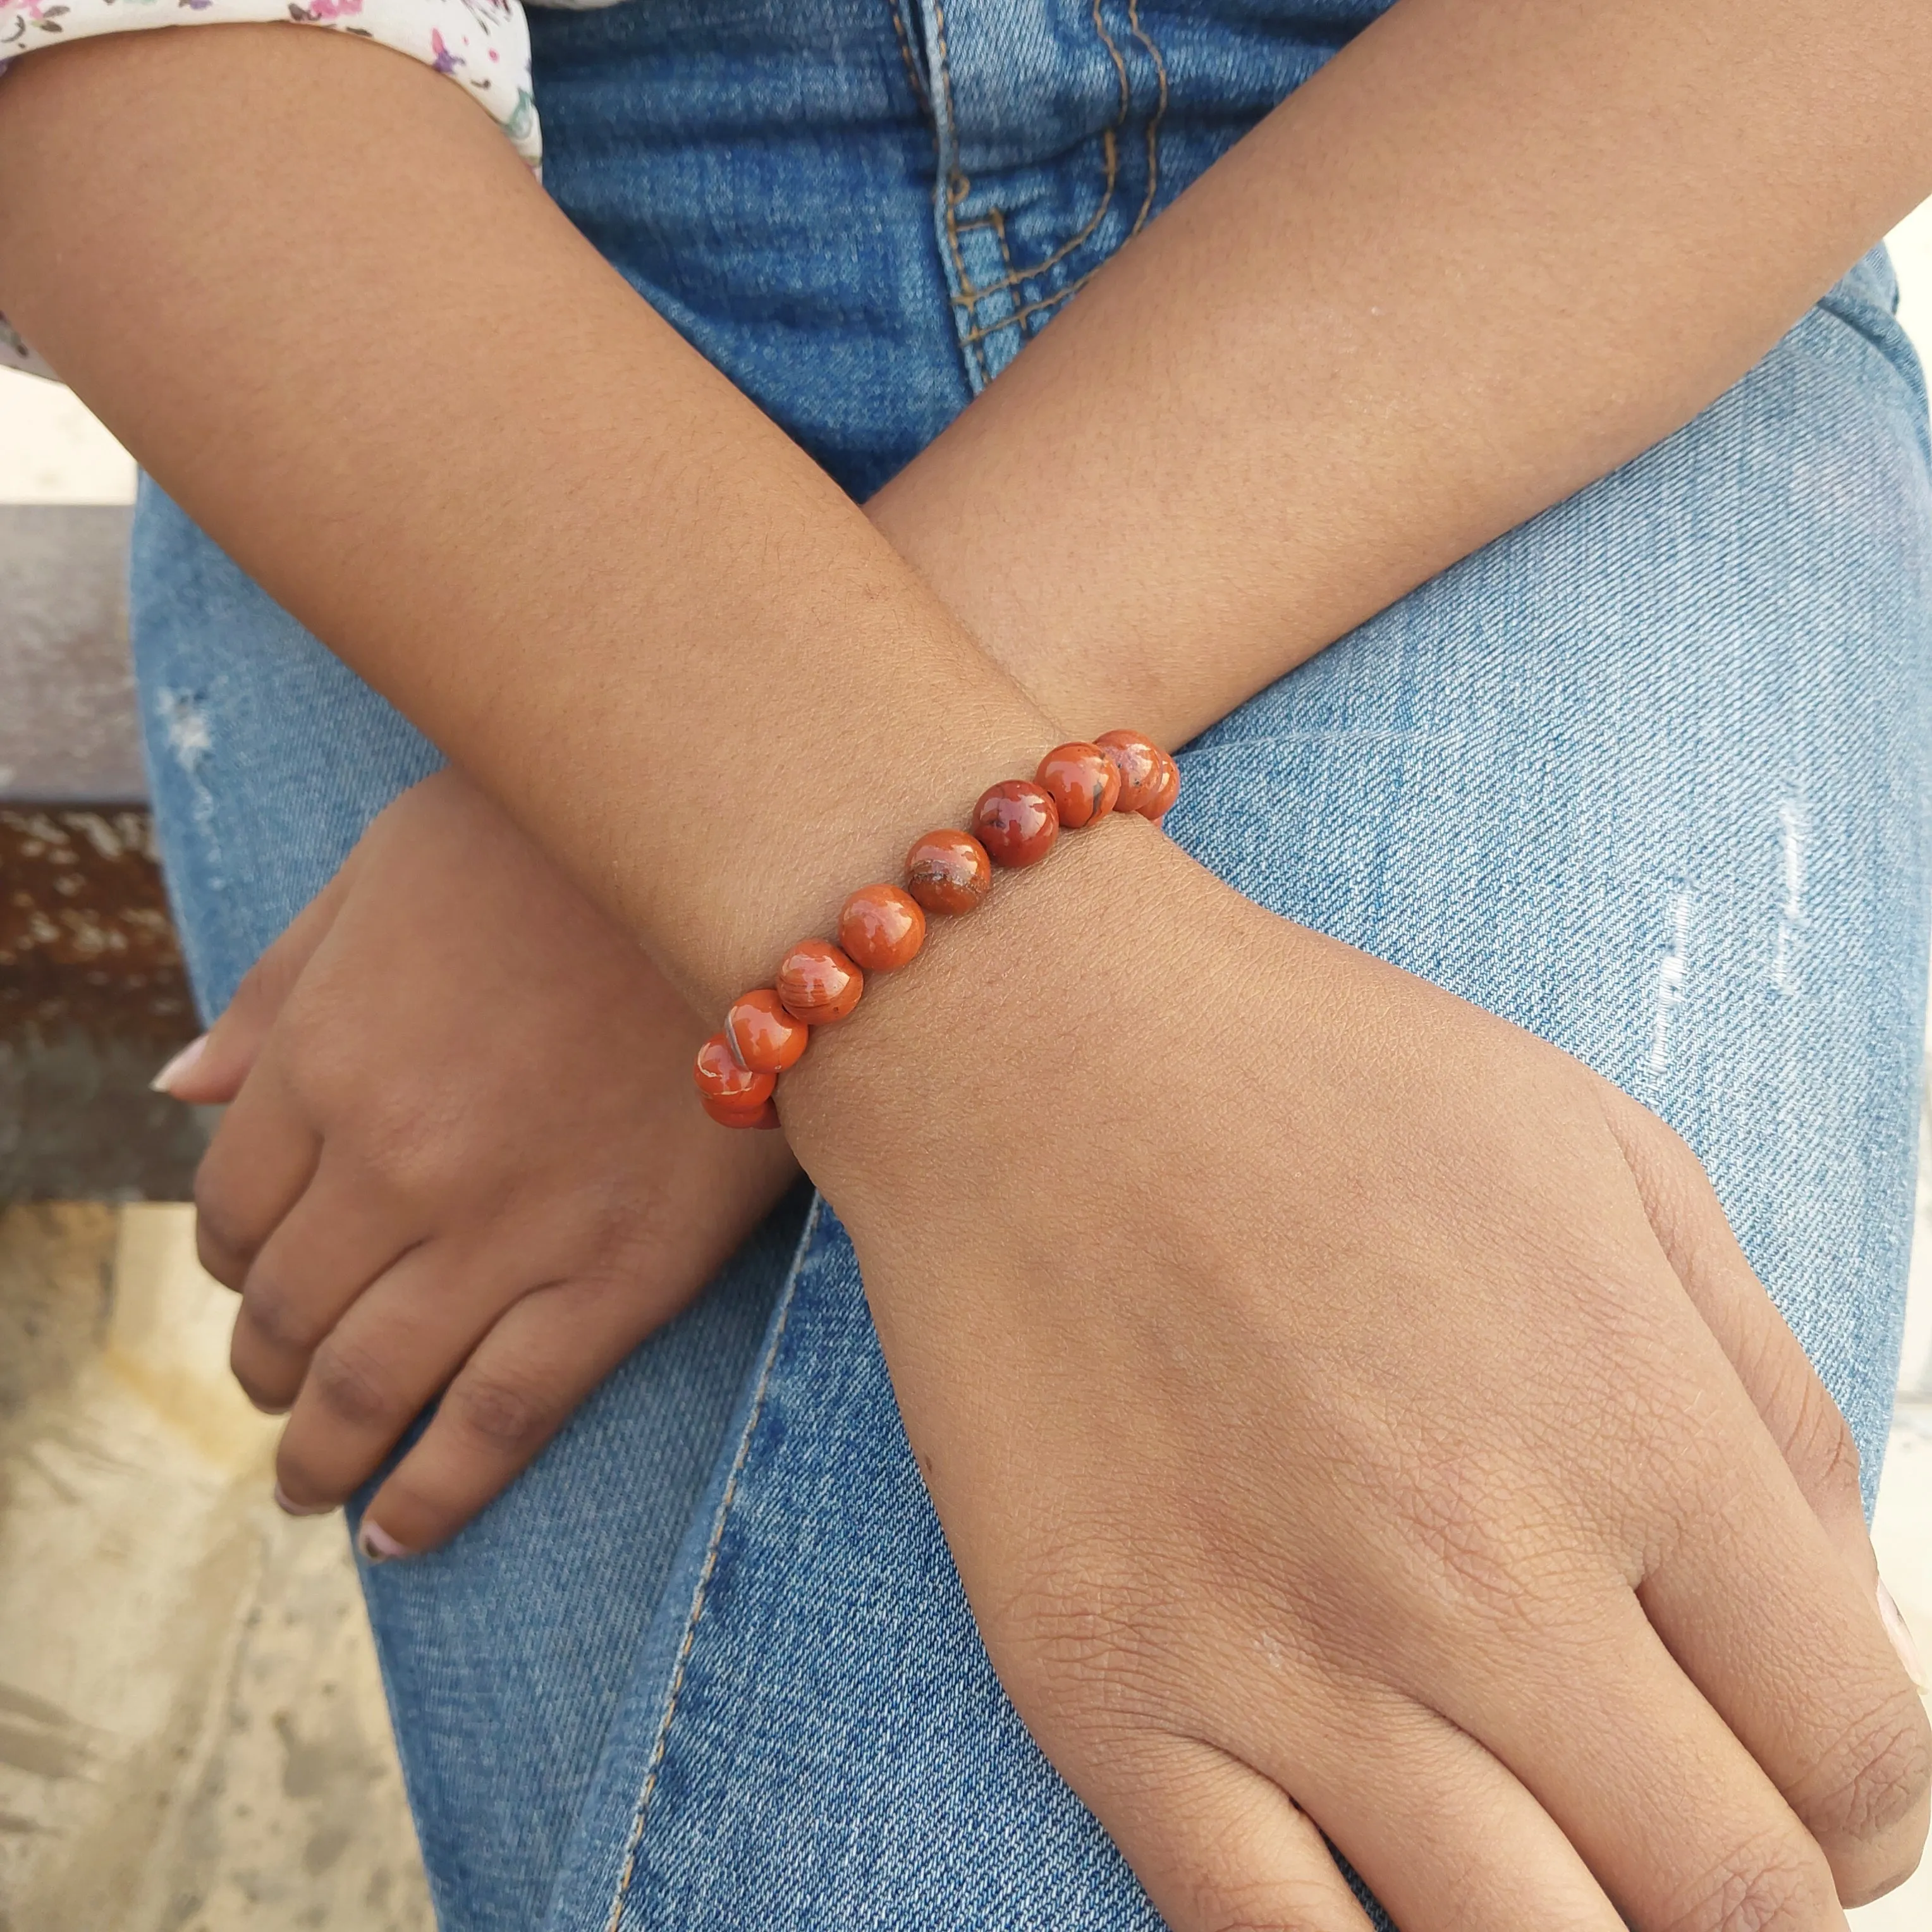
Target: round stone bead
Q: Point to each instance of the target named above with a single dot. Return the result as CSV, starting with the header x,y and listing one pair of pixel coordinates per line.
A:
x,y
949,871
1167,789
720,1077
1138,760
762,1034
881,927
762,1115
818,984
1082,781
1016,822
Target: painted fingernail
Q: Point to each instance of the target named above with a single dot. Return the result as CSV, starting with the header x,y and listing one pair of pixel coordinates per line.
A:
x,y
1901,1638
377,1545
164,1082
288,1506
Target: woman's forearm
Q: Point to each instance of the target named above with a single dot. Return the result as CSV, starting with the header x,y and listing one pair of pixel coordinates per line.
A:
x,y
1487,253
521,507
1494,249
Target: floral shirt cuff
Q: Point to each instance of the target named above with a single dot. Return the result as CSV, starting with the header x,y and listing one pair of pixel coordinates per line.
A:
x,y
483,46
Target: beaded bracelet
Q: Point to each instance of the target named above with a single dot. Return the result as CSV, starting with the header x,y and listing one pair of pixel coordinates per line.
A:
x,y
881,927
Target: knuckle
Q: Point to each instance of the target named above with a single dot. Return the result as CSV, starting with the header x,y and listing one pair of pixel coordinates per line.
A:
x,y
1274,1904
1476,1557
1888,1880
351,1386
1774,1883
1822,1442
297,1476
1090,1663
513,1417
1878,1777
261,1392
225,1238
1274,1913
278,1317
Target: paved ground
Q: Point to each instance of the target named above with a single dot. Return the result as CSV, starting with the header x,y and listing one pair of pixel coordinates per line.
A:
x,y
192,1735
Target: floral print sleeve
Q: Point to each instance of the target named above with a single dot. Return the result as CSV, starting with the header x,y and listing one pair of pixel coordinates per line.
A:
x,y
483,46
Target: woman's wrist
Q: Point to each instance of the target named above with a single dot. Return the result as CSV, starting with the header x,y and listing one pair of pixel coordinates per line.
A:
x,y
1053,945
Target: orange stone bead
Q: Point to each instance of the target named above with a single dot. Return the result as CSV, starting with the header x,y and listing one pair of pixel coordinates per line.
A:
x,y
949,871
1167,789
762,1115
1138,760
1016,822
818,984
762,1034
881,927
1082,781
720,1078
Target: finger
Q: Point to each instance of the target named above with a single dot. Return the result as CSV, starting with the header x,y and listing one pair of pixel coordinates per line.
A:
x,y
1795,1406
262,1159
210,1072
346,1229
1446,1836
1789,1648
1217,1847
1683,1830
523,1379
400,1342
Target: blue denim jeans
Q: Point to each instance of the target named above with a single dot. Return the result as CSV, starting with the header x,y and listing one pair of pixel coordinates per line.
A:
x,y
1649,776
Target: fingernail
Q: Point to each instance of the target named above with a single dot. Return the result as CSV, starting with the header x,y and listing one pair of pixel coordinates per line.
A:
x,y
164,1082
289,1507
1901,1638
377,1545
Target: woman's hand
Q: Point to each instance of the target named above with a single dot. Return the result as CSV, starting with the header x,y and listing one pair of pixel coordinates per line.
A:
x,y
1351,1416
462,1156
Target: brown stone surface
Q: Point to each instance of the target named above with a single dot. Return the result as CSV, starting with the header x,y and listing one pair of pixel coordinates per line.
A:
x,y
84,934
93,998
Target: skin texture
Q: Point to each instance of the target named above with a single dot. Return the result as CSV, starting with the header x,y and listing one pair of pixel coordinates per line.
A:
x,y
1469,1582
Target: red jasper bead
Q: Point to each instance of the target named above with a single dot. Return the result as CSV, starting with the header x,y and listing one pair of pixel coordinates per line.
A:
x,y
881,927
1082,781
762,1034
818,983
1138,760
720,1078
949,871
1167,789
762,1115
1016,822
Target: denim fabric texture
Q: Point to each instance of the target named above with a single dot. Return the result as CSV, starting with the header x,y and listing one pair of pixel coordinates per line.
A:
x,y
1649,776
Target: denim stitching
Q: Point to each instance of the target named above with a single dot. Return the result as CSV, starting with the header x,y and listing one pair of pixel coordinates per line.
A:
x,y
994,218
1109,144
1018,319
956,186
704,1575
1019,315
904,39
1146,40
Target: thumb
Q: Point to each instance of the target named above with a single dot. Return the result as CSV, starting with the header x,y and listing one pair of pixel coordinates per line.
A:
x,y
208,1071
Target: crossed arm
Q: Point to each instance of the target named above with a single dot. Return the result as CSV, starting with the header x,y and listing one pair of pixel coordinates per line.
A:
x,y
1489,252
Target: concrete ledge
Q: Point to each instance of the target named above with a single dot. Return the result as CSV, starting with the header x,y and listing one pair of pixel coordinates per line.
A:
x,y
69,720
